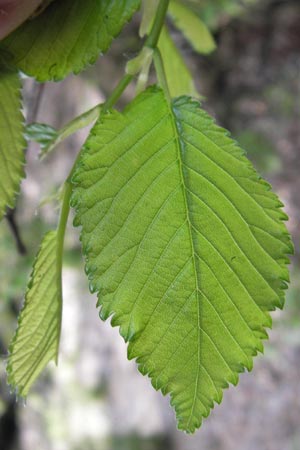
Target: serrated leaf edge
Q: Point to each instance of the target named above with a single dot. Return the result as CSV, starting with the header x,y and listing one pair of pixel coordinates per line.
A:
x,y
261,334
21,169
9,366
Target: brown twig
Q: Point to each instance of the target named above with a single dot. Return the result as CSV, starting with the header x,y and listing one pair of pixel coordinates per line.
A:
x,y
13,225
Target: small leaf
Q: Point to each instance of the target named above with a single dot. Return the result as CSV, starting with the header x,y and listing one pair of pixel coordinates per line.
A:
x,y
49,138
37,337
12,142
67,36
192,27
42,133
179,78
184,244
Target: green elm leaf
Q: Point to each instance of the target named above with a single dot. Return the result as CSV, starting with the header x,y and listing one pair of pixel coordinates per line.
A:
x,y
36,340
67,36
185,245
192,27
12,142
179,78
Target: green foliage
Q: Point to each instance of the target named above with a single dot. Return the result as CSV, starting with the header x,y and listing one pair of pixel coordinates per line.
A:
x,y
179,78
12,143
195,31
41,133
184,244
49,138
67,36
148,14
37,338
214,12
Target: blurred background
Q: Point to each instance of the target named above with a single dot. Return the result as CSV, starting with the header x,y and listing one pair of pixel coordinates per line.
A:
x,y
96,399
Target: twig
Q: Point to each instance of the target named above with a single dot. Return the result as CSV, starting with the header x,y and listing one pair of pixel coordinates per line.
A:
x,y
13,225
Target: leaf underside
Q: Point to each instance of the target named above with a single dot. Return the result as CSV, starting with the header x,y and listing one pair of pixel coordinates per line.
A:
x,y
37,337
184,244
12,142
67,36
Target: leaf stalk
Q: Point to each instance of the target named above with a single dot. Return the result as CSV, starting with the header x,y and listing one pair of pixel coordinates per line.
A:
x,y
160,73
158,23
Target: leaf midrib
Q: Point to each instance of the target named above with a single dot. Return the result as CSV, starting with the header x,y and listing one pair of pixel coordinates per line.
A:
x,y
180,149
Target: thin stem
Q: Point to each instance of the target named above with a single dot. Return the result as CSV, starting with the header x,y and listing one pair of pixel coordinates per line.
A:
x,y
61,230
71,127
116,93
79,122
158,23
14,227
89,116
160,72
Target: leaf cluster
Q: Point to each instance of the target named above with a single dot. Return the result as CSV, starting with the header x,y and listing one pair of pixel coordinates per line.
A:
x,y
184,242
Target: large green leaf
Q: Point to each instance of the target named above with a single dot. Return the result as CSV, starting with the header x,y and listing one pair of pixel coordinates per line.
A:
x,y
192,27
179,78
37,337
184,244
67,36
12,142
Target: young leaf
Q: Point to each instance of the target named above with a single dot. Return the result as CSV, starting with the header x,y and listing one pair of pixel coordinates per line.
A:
x,y
37,337
12,142
180,81
192,27
184,244
67,36
41,133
